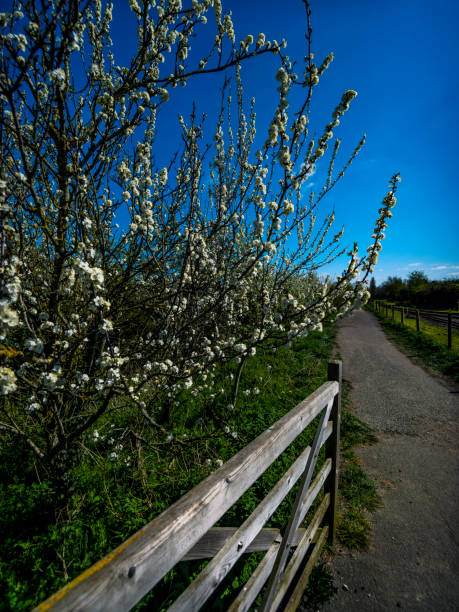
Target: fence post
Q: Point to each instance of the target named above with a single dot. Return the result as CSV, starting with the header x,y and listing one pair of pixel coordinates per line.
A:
x,y
417,320
335,372
450,339
402,315
393,314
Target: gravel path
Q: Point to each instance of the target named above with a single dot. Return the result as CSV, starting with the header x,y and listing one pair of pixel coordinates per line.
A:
x,y
413,562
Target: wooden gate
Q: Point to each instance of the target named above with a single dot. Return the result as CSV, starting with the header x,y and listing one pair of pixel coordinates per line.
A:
x,y
185,530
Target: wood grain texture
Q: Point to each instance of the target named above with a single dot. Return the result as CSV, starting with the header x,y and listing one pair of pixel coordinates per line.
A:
x,y
119,580
295,517
255,583
211,543
300,552
302,583
261,574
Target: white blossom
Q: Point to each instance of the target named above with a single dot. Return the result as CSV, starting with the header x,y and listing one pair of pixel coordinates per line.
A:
x,y
7,381
34,344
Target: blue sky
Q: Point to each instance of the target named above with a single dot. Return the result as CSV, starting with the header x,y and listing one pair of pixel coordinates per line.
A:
x,y
400,58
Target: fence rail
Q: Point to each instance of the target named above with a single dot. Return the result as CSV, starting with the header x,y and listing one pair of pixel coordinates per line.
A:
x,y
185,530
444,319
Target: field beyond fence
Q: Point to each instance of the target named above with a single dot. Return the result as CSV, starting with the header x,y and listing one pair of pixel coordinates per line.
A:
x,y
443,327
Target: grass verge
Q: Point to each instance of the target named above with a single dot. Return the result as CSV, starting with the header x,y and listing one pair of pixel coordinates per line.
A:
x,y
425,348
358,497
358,493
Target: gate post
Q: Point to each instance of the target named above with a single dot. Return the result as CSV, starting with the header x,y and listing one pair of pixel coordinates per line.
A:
x,y
335,372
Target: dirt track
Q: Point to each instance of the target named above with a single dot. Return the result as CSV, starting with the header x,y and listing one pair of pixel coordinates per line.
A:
x,y
413,562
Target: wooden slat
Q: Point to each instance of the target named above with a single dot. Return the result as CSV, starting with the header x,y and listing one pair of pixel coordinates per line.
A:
x,y
263,570
255,583
210,544
119,580
302,583
299,554
208,580
315,488
295,518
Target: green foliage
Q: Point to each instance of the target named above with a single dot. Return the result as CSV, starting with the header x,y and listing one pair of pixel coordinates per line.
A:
x,y
416,281
420,292
358,489
354,431
358,493
320,587
372,288
62,525
394,287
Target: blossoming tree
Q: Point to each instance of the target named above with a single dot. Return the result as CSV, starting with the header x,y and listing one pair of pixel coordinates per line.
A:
x,y
215,258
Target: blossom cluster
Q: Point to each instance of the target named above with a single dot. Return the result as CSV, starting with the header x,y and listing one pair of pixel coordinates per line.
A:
x,y
218,254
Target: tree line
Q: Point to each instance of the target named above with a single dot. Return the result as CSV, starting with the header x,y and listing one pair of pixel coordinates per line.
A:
x,y
419,291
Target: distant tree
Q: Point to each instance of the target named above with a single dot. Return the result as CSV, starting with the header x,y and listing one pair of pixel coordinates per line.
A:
x,y
438,295
392,288
373,288
416,280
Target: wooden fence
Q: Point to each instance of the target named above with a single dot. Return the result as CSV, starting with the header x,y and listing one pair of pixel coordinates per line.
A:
x,y
185,530
444,319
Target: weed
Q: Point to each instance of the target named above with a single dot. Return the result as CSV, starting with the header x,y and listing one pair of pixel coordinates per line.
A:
x,y
354,529
358,489
320,588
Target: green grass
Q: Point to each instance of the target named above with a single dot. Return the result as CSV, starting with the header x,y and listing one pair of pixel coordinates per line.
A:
x,y
358,497
437,333
357,491
428,348
354,431
354,529
57,527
